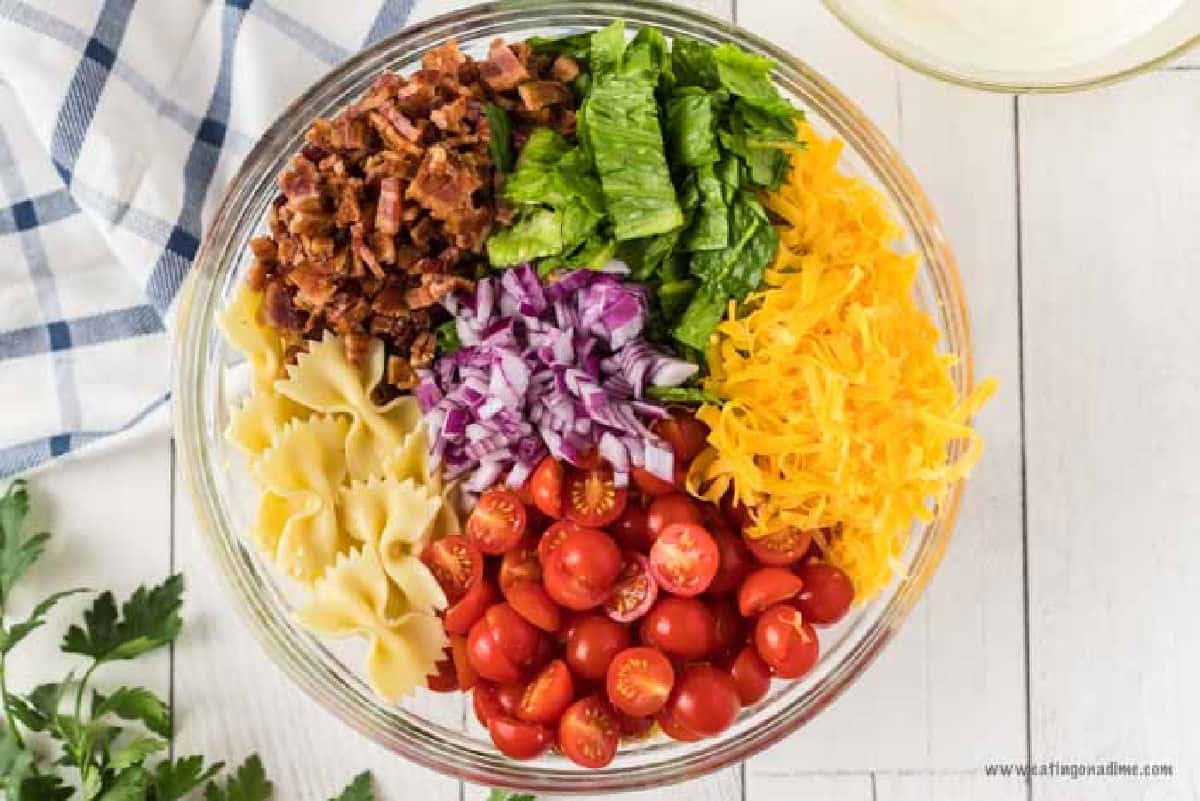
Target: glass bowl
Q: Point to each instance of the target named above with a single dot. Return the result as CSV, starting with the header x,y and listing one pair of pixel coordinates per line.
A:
x,y
888,25
437,731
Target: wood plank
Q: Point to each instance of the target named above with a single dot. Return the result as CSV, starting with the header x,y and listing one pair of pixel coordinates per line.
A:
x,y
232,700
99,510
765,783
721,786
962,649
921,785
1111,186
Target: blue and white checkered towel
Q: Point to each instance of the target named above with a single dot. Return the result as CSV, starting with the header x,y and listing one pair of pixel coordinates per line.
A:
x,y
120,125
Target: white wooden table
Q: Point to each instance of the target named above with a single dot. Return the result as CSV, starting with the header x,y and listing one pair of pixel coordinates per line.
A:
x,y
1062,624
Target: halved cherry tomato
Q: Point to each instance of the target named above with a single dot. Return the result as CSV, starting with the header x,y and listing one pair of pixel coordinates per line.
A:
x,y
485,702
654,486
633,727
444,679
498,521
733,560
593,643
546,487
487,657
666,719
553,537
786,642
519,739
461,616
516,638
765,587
680,627
827,593
466,674
456,563
630,528
781,547
728,631
705,700
520,564
684,559
639,681
686,435
530,601
509,697
737,514
580,573
590,497
634,592
669,510
589,732
548,695
751,675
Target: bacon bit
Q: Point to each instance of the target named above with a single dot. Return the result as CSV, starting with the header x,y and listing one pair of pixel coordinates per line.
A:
x,y
450,116
314,286
503,71
355,345
279,311
541,94
387,213
416,97
256,278
422,350
299,182
447,58
401,123
433,287
444,184
265,249
400,374
565,68
390,302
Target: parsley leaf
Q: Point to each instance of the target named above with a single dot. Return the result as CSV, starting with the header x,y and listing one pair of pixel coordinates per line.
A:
x,y
10,636
135,703
508,795
175,779
149,619
358,790
16,554
683,395
248,783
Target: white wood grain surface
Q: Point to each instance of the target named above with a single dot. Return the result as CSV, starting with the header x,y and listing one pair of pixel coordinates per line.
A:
x,y
1060,625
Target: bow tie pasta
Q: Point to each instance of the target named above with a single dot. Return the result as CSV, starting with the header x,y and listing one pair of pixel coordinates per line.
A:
x,y
254,424
240,324
355,598
323,380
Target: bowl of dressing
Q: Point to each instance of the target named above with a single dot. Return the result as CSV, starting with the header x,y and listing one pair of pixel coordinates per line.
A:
x,y
1026,45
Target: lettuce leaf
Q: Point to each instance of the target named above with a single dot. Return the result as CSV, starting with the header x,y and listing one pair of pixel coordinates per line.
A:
x,y
692,129
709,228
693,64
535,234
575,45
748,76
499,137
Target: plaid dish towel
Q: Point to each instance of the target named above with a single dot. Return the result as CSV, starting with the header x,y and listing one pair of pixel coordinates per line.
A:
x,y
121,122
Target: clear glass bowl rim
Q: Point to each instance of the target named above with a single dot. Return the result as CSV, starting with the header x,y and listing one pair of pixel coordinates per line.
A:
x,y
838,9
241,211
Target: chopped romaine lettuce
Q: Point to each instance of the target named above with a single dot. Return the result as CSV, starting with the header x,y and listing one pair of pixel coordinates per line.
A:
x,y
575,45
692,129
535,234
499,137
709,227
692,64
748,76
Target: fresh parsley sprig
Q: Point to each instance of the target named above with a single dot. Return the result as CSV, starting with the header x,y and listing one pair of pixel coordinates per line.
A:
x,y
108,745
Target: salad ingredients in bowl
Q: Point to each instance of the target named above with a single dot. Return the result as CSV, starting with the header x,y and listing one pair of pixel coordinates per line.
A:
x,y
581,379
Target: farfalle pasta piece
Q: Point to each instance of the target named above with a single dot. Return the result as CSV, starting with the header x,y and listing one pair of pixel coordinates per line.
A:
x,y
396,518
258,419
355,598
297,522
412,462
262,346
323,380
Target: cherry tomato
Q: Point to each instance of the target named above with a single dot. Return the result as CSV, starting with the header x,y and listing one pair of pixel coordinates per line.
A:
x,y
633,727
765,587
630,528
680,627
751,675
486,656
581,571
652,485
530,601
516,638
520,564
684,559
497,522
728,632
463,671
672,727
592,644
827,593
519,739
781,547
444,679
461,616
548,695
736,513
589,732
484,702
686,435
553,537
634,592
733,560
669,510
546,487
786,642
639,681
509,697
456,563
591,498
705,700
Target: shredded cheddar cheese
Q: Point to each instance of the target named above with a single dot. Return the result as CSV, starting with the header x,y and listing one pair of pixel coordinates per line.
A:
x,y
840,411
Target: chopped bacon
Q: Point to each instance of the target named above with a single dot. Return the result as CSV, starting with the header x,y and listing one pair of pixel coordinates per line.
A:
x,y
503,71
356,345
401,123
446,58
444,183
416,97
314,286
387,213
450,116
565,68
432,287
540,94
279,311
